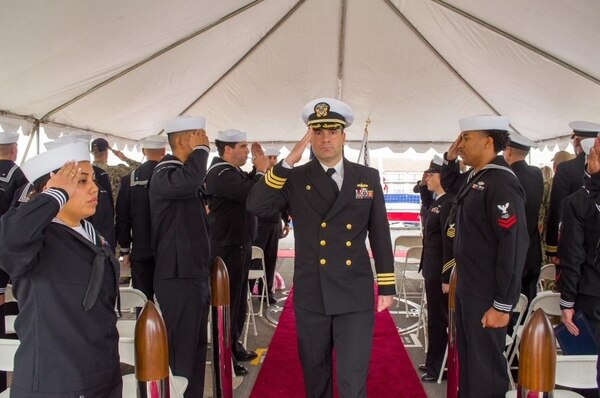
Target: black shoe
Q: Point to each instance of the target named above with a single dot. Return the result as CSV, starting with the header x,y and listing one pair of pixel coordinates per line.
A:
x,y
423,367
246,356
240,370
272,301
428,378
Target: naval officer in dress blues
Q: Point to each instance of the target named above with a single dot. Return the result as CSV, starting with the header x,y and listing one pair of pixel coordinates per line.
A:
x,y
334,204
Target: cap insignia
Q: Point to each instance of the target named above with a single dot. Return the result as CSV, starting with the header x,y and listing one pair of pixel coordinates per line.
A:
x,y
322,109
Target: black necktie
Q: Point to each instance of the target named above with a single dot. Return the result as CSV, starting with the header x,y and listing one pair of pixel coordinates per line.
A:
x,y
334,184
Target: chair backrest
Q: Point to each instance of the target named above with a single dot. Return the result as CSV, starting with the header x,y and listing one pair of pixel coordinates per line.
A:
x,y
547,273
413,254
406,241
131,298
8,294
8,348
257,253
549,302
520,308
576,371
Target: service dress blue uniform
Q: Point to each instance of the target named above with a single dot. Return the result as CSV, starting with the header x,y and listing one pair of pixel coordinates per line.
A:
x,y
133,226
66,283
578,279
333,279
490,249
233,230
180,241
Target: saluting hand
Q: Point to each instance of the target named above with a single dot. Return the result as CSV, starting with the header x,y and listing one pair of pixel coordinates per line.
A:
x,y
298,149
120,155
453,150
260,161
593,166
494,319
199,138
66,178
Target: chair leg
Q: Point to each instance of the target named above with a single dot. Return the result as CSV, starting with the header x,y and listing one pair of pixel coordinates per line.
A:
x,y
404,295
443,368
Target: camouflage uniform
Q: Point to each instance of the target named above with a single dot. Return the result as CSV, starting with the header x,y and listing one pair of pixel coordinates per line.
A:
x,y
115,173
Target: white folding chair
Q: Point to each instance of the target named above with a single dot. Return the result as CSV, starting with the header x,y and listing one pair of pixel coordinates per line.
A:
x,y
576,371
547,273
8,348
9,320
131,299
254,274
413,257
549,302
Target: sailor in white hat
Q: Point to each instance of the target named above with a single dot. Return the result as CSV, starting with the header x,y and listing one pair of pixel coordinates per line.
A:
x,y
132,221
232,227
11,179
496,239
532,181
568,178
181,247
335,204
67,279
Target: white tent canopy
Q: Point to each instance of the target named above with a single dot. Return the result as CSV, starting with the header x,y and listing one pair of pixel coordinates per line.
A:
x,y
413,67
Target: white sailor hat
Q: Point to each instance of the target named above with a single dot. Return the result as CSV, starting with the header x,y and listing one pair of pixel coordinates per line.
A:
x,y
519,142
484,122
436,165
184,123
8,137
585,129
55,158
327,113
231,135
67,139
153,142
272,152
587,144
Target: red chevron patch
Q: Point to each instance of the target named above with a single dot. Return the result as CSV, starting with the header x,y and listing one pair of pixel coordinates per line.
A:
x,y
507,223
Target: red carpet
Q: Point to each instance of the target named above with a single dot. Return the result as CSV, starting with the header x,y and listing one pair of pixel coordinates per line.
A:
x,y
391,373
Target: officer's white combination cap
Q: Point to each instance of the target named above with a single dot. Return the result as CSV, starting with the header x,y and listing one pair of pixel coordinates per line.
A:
x,y
55,158
485,122
8,137
184,123
232,135
271,152
520,142
327,113
153,142
585,129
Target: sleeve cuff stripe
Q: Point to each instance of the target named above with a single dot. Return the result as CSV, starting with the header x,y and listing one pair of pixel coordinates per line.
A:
x,y
567,304
386,279
449,265
502,307
272,181
57,195
551,248
386,274
270,184
386,283
275,178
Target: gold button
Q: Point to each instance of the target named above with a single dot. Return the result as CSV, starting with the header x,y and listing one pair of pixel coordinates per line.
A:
x,y
323,224
348,262
348,226
323,243
348,243
323,261
308,187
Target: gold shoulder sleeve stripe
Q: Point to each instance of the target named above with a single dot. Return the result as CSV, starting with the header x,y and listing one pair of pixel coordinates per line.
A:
x,y
273,181
551,249
274,177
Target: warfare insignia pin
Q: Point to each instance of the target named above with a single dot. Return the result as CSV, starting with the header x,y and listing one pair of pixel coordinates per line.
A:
x,y
322,109
361,185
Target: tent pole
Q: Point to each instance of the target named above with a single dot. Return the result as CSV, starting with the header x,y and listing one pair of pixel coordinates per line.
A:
x,y
444,60
151,57
35,128
341,48
519,41
250,51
